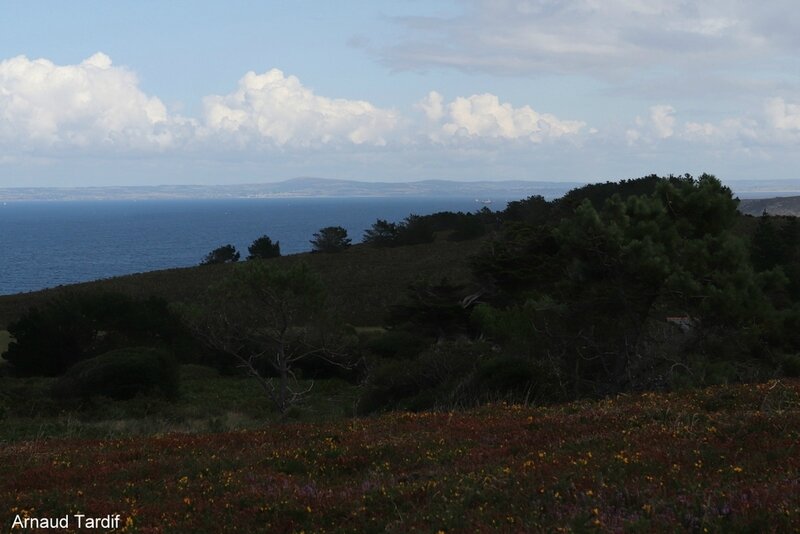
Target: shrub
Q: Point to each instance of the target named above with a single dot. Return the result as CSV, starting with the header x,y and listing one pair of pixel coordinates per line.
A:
x,y
76,326
790,364
330,239
223,254
263,248
121,374
397,344
438,377
382,234
503,376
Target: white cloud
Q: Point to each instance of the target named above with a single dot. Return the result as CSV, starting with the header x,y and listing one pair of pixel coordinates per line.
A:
x,y
485,117
275,109
663,120
89,105
599,37
431,105
783,116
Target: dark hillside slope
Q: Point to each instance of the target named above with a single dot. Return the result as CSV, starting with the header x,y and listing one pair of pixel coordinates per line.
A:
x,y
773,206
361,281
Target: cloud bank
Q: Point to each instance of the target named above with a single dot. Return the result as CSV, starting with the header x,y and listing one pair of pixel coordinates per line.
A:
x,y
485,117
96,108
604,38
92,105
277,110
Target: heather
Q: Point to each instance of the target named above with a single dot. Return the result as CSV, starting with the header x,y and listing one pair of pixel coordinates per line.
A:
x,y
722,459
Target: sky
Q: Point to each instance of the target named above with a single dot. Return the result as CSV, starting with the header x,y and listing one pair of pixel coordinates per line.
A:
x,y
198,92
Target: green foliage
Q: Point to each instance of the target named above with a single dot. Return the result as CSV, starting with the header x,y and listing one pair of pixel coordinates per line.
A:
x,y
468,226
263,248
330,239
589,290
534,210
76,326
121,374
268,319
415,230
790,365
432,310
437,377
381,234
223,254
397,345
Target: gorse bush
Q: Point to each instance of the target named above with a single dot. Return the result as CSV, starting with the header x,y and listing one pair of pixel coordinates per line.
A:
x,y
76,326
121,374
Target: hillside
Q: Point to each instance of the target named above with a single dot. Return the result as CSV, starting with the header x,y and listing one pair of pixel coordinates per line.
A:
x,y
722,459
360,281
773,206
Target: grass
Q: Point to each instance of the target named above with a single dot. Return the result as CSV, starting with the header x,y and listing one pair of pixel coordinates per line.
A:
x,y
208,402
5,339
716,460
361,281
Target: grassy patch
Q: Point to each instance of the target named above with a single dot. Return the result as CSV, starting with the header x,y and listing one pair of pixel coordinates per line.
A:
x,y
360,281
208,402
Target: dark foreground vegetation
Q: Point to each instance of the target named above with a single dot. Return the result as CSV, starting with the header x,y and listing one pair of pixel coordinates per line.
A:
x,y
468,320
722,459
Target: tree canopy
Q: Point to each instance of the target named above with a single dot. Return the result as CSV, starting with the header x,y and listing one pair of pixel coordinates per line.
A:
x,y
330,239
263,248
223,254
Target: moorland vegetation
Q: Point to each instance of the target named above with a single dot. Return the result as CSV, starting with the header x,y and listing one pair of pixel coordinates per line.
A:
x,y
510,349
649,284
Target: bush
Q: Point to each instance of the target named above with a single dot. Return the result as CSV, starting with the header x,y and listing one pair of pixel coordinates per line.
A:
x,y
503,376
330,239
121,374
790,365
397,344
438,377
223,254
264,248
382,234
76,326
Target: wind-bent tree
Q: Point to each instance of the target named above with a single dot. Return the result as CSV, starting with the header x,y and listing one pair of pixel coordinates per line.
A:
x,y
268,319
223,254
381,234
330,239
263,248
592,292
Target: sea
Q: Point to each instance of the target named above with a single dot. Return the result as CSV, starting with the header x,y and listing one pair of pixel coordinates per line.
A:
x,y
50,243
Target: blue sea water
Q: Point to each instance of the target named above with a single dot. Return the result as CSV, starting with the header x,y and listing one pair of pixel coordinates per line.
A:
x,y
46,244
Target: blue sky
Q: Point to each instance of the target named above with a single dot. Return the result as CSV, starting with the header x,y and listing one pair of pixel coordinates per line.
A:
x,y
146,92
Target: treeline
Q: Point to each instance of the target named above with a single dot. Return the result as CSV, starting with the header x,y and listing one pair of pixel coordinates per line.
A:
x,y
654,283
413,230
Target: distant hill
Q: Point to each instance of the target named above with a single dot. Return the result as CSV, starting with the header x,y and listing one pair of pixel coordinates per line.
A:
x,y
299,187
773,206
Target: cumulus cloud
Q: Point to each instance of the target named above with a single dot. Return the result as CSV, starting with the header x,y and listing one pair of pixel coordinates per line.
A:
x,y
91,104
777,126
663,120
276,109
783,116
485,117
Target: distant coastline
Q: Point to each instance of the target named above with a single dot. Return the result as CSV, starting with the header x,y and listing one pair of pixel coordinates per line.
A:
x,y
325,187
296,188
